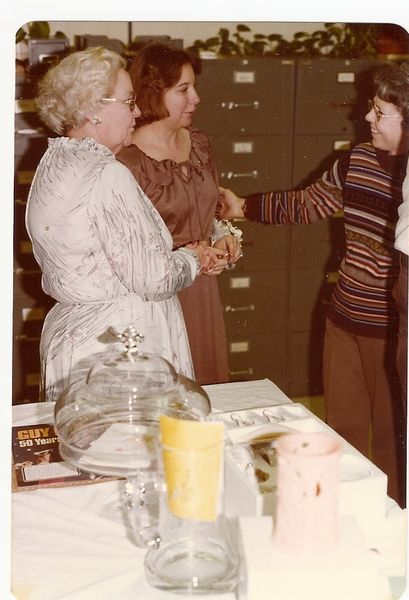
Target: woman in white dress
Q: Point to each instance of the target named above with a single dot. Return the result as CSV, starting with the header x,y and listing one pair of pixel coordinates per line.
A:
x,y
105,254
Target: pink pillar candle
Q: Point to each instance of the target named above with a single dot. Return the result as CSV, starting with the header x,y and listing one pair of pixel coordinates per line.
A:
x,y
306,518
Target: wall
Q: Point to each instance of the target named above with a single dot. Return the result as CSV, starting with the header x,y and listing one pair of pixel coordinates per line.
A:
x,y
186,30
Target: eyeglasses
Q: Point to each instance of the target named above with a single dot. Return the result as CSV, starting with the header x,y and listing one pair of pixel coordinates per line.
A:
x,y
378,113
131,102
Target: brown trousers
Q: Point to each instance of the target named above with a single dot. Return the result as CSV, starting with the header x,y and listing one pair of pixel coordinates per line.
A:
x,y
363,400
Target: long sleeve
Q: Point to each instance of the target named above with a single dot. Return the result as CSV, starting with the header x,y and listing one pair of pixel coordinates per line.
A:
x,y
313,203
132,235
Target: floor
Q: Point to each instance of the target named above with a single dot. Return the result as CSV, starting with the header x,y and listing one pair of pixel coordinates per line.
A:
x,y
314,403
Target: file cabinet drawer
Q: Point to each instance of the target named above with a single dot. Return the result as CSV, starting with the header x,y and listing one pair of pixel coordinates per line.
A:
x,y
337,91
319,245
257,356
26,369
314,154
253,163
29,315
265,247
254,302
246,95
29,147
27,282
308,297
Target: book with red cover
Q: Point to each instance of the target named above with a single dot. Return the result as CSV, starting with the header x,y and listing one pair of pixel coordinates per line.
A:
x,y
37,461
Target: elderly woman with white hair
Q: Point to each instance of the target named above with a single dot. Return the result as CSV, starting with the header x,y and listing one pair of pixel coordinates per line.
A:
x,y
105,254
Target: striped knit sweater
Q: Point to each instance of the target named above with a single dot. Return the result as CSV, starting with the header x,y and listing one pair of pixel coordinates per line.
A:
x,y
367,185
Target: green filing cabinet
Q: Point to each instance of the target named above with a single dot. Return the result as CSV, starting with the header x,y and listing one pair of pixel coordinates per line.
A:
x,y
247,109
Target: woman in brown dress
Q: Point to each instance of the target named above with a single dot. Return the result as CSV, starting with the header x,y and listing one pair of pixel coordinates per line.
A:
x,y
173,164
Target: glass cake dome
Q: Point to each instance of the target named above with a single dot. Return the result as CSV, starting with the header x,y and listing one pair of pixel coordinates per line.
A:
x,y
107,423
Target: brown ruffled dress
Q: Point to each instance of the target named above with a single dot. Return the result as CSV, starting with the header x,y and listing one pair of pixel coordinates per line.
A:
x,y
187,197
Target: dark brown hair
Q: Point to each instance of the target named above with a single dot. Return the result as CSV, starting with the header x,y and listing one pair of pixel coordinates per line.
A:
x,y
155,69
391,84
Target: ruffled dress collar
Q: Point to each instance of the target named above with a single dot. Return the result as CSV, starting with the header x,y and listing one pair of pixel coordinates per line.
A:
x,y
163,171
86,143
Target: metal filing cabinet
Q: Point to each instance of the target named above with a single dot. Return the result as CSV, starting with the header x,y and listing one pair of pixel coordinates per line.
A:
x,y
254,297
30,303
246,95
330,106
275,125
247,109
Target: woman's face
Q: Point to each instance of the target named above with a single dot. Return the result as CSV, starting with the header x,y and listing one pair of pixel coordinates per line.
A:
x,y
117,118
385,120
181,100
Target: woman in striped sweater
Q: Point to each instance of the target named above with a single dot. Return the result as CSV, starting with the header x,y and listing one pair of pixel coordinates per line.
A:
x,y
361,329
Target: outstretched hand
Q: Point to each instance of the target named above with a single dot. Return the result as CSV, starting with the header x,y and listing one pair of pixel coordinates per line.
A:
x,y
232,205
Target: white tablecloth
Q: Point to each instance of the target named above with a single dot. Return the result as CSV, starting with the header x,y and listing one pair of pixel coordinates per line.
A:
x,y
65,547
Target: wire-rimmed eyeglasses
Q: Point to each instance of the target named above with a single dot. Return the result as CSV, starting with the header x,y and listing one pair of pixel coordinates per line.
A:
x,y
131,102
378,113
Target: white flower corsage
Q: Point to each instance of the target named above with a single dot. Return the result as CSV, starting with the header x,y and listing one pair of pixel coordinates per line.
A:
x,y
222,227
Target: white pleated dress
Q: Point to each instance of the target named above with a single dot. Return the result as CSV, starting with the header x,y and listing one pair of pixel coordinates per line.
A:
x,y
106,258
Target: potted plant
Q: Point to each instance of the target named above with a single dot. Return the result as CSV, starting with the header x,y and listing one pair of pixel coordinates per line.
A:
x,y
336,40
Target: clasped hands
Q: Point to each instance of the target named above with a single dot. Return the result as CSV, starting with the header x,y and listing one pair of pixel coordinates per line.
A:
x,y
224,253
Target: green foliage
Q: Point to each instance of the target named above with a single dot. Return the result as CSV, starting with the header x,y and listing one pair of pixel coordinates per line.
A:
x,y
36,30
336,40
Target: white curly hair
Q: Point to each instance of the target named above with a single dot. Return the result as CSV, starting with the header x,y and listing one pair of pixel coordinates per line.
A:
x,y
74,87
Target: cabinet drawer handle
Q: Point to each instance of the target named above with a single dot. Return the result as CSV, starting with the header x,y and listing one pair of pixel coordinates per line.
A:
x,y
248,371
231,105
25,338
232,175
33,131
21,271
229,308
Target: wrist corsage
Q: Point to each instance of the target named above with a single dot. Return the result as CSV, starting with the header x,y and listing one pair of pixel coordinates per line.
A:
x,y
222,227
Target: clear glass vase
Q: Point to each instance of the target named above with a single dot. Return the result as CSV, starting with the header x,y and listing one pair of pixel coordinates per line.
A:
x,y
195,553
